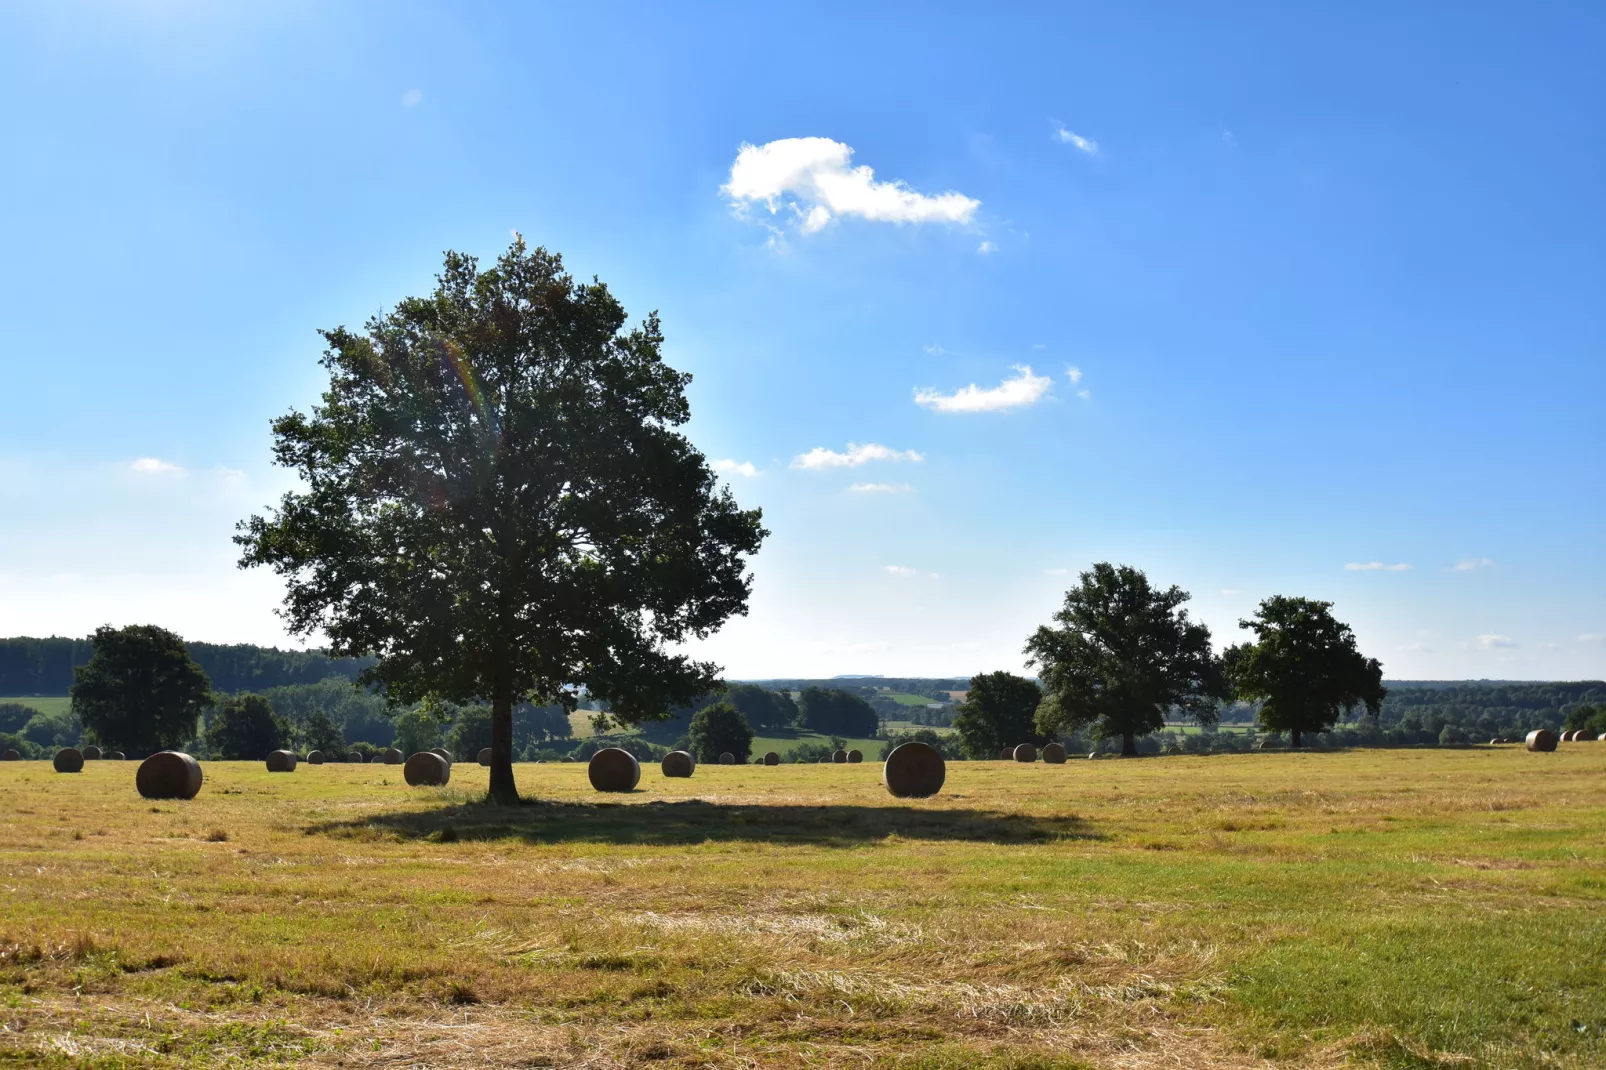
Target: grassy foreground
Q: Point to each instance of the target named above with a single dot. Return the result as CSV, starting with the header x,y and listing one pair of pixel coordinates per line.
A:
x,y
1393,908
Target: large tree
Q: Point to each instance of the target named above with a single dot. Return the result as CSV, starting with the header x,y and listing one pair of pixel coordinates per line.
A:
x,y
997,713
1304,668
140,691
1121,655
832,711
245,728
719,728
498,505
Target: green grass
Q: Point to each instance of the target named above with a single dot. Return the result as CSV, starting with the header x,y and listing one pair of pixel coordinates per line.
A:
x,y
910,726
785,741
903,698
1413,908
50,705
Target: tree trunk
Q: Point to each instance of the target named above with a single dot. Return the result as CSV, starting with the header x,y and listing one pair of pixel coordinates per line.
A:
x,y
1129,745
1293,737
503,790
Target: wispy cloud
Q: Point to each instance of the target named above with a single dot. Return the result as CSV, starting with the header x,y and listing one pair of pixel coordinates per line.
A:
x,y
1471,564
153,466
1375,566
907,573
1494,642
820,457
986,247
1066,136
1073,373
1022,390
881,488
732,467
812,178
411,98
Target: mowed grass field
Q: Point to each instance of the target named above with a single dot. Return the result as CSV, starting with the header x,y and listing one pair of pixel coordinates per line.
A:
x,y
1391,908
50,705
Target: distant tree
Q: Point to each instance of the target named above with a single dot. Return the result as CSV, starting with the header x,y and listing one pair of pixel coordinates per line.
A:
x,y
947,744
14,716
998,713
1304,668
719,728
245,729
318,732
499,505
762,708
540,724
1586,716
1122,655
420,728
141,691
834,711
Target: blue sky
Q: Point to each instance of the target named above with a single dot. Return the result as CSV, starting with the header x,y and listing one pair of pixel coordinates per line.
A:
x,y
1311,302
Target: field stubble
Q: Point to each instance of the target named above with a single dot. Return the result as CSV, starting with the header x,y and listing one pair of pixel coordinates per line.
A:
x,y
1395,908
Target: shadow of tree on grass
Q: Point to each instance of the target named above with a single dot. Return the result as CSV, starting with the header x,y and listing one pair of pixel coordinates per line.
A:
x,y
696,821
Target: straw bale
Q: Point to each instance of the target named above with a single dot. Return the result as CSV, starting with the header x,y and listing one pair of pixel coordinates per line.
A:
x,y
426,769
914,771
168,774
614,769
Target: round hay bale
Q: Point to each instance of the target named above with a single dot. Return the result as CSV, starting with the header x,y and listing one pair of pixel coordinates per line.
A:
x,y
1007,754
10,756
1025,753
357,756
426,769
1541,739
840,757
1495,742
281,761
485,755
68,760
315,757
442,753
677,763
772,758
1054,753
1584,735
914,771
91,753
1093,756
1267,744
855,757
117,756
727,758
392,756
168,774
614,769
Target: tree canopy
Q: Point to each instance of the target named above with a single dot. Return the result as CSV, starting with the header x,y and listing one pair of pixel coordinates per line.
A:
x,y
834,711
245,728
140,691
762,707
498,504
719,728
998,712
1304,668
1120,656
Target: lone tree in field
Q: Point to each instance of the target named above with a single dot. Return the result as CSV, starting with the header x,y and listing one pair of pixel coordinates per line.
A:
x,y
140,691
498,505
1122,655
1304,669
245,729
719,728
998,712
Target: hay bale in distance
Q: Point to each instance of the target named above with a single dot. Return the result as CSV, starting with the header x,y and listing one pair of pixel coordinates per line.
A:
x,y
772,758
358,757
10,756
855,757
840,757
1093,756
315,757
392,756
442,753
68,760
727,758
485,755
614,769
1007,754
1542,739
281,761
426,769
914,771
1054,753
1267,744
1584,735
169,774
91,753
1025,753
677,763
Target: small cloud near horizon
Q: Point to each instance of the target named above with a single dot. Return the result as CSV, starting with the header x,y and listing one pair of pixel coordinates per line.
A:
x,y
1471,564
881,488
821,458
1066,136
1375,566
153,466
730,466
1494,642
1015,393
905,572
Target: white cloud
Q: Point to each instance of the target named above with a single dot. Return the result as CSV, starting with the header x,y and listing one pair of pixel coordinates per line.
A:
x,y
1494,642
412,97
1415,648
1056,572
1084,394
1024,389
811,177
1070,137
820,457
153,466
732,467
986,247
1230,591
1073,373
907,573
881,488
1471,564
933,351
1375,566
